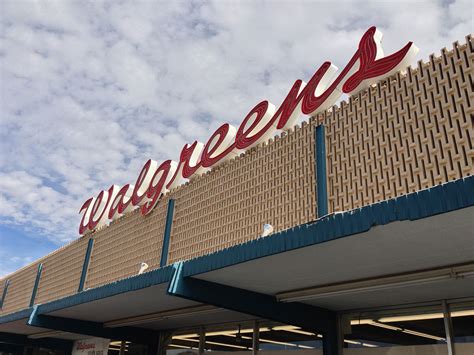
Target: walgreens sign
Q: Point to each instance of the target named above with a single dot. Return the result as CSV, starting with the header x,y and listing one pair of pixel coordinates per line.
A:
x,y
367,66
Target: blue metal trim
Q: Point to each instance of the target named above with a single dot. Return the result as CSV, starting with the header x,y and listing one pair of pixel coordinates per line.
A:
x,y
136,335
12,317
4,293
167,235
85,266
444,198
321,174
133,283
249,302
35,287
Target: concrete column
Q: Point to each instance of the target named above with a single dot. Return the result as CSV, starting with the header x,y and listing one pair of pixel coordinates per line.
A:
x,y
122,347
333,338
202,340
448,328
256,338
159,343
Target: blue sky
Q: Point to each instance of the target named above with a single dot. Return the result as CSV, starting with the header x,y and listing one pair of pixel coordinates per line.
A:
x,y
20,248
91,90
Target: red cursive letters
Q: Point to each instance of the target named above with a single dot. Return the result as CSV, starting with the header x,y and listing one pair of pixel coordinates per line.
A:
x,y
366,67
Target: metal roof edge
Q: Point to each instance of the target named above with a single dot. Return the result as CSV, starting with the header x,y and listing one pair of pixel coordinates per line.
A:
x,y
133,283
12,317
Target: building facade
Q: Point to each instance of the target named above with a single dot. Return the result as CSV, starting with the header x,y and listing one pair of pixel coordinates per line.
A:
x,y
372,250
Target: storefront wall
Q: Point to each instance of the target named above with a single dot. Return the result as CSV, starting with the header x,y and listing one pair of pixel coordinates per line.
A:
x,y
405,134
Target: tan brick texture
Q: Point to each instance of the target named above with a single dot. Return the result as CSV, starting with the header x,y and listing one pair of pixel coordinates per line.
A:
x,y
408,133
62,272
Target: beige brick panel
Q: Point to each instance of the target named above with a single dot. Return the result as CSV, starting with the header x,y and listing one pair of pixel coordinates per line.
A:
x,y
408,133
120,248
20,289
272,183
61,272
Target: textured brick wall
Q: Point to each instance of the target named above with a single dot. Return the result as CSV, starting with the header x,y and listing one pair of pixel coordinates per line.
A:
x,y
20,289
2,287
407,133
274,183
62,271
121,247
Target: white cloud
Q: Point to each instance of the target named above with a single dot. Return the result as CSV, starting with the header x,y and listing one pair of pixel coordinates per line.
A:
x,y
91,90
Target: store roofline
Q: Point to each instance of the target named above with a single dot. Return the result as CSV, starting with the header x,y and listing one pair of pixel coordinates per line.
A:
x,y
440,199
12,317
133,283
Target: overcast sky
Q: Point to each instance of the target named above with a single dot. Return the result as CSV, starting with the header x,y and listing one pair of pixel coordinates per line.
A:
x,y
91,90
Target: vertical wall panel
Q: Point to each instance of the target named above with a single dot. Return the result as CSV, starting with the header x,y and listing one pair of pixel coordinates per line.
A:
x,y
20,289
62,271
407,133
120,248
273,183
